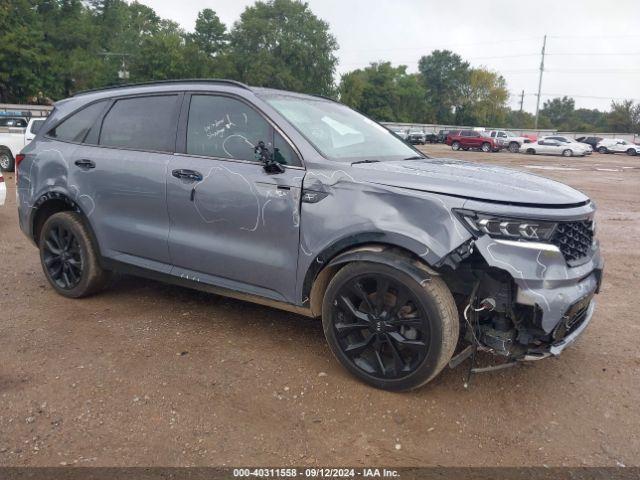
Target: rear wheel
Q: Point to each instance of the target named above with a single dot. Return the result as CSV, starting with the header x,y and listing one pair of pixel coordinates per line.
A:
x,y
514,147
69,258
7,162
631,152
486,147
455,146
567,153
602,150
386,329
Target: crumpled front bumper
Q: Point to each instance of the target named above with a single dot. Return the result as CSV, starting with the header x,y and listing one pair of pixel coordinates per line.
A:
x,y
556,348
544,279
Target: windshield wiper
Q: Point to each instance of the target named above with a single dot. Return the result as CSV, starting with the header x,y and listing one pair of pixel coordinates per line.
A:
x,y
365,161
415,157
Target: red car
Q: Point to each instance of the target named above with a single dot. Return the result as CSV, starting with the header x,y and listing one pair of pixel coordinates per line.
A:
x,y
471,139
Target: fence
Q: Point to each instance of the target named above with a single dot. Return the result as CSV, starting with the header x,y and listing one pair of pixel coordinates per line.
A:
x,y
435,127
16,110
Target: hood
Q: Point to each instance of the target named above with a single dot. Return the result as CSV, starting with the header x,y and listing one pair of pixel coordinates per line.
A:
x,y
470,180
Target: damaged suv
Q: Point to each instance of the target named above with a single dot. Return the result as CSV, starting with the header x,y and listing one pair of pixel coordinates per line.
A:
x,y
298,202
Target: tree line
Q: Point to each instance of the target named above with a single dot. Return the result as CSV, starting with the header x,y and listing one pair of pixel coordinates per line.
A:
x,y
50,49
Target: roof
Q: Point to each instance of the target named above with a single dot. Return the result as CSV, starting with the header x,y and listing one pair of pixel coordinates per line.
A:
x,y
217,81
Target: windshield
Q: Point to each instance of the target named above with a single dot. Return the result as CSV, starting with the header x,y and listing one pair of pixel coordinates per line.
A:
x,y
338,132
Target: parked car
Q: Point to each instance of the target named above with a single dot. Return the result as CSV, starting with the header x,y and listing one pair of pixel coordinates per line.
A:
x,y
508,140
618,146
3,190
548,146
571,143
472,139
292,201
593,141
402,133
442,135
532,137
19,122
431,137
417,137
12,140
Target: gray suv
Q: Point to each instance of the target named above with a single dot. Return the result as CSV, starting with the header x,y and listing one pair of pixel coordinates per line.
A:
x,y
300,203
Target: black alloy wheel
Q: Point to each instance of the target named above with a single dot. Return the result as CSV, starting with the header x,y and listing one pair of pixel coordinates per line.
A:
x,y
62,257
381,326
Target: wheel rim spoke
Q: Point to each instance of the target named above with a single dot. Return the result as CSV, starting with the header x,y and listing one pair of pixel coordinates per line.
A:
x,y
352,310
405,342
346,328
359,290
357,348
398,362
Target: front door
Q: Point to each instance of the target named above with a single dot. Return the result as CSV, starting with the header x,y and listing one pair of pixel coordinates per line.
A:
x,y
232,223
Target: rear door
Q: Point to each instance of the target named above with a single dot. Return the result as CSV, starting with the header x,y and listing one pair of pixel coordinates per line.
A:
x,y
232,223
119,175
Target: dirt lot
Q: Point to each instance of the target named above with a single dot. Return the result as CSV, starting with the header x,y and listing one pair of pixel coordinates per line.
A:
x,y
150,374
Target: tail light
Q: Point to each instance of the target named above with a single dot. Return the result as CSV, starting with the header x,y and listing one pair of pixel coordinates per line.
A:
x,y
19,159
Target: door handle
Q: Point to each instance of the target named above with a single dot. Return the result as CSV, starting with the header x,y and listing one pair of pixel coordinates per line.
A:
x,y
85,164
187,174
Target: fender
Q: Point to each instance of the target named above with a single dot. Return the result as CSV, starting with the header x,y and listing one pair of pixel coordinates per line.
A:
x,y
319,274
389,256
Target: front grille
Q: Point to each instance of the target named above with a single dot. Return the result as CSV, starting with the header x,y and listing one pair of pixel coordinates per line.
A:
x,y
574,239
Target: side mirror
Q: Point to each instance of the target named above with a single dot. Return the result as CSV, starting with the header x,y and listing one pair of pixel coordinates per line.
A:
x,y
264,155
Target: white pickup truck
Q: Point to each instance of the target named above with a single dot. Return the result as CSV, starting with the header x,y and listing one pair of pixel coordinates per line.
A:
x,y
13,139
508,140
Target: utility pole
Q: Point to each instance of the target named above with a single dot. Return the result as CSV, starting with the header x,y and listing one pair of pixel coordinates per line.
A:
x,y
521,100
544,45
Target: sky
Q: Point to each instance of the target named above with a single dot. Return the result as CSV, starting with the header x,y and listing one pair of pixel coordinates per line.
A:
x,y
593,46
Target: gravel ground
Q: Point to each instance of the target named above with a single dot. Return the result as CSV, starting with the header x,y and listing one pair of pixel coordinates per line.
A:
x,y
150,374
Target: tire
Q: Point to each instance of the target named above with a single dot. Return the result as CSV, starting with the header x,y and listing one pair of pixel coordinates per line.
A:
x,y
567,153
7,162
514,147
531,151
602,150
69,257
423,347
632,152
455,146
486,147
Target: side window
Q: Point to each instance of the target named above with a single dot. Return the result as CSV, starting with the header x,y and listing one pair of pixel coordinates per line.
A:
x,y
76,127
224,127
493,134
141,123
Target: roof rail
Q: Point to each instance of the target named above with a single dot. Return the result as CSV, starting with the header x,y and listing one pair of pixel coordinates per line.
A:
x,y
163,82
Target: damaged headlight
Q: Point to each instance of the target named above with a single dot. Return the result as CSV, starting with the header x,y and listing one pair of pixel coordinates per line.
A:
x,y
506,227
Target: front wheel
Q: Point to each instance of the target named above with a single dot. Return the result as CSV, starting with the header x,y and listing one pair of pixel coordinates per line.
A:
x,y
631,152
486,147
602,150
7,162
69,258
387,329
531,151
514,147
455,146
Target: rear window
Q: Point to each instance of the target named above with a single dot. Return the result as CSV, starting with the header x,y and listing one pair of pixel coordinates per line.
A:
x,y
76,127
141,123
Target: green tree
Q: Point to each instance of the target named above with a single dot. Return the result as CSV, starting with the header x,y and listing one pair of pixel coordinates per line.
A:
x,y
445,75
559,112
484,99
282,44
385,93
210,33
624,117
